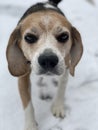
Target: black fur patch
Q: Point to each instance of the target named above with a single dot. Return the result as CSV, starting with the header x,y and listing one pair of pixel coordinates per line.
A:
x,y
46,97
41,7
56,2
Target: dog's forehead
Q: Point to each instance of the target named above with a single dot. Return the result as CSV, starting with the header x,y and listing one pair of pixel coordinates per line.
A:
x,y
45,20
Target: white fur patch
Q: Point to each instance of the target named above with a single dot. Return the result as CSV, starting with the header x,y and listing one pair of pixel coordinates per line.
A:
x,y
30,123
49,6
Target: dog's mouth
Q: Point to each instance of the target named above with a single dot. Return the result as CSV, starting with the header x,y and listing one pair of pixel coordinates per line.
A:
x,y
50,72
47,73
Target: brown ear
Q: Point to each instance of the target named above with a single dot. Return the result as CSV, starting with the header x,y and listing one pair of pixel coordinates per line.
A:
x,y
17,63
76,51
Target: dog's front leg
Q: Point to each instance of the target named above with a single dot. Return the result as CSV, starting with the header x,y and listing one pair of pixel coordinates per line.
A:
x,y
24,89
58,107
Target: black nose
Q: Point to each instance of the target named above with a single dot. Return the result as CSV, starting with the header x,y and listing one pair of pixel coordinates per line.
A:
x,y
48,61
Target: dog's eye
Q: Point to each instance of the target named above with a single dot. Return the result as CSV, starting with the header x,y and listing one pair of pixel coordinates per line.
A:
x,y
63,37
30,38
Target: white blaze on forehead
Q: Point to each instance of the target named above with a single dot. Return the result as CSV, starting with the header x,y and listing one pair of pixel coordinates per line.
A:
x,y
47,5
46,20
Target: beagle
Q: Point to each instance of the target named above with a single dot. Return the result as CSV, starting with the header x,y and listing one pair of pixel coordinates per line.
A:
x,y
45,43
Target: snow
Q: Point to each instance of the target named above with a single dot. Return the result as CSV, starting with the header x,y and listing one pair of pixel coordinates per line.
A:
x,y
82,91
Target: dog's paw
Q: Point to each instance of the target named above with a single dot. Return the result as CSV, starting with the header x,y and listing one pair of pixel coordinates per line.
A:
x,y
31,127
58,110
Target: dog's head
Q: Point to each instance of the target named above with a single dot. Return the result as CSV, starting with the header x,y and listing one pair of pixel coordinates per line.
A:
x,y
44,41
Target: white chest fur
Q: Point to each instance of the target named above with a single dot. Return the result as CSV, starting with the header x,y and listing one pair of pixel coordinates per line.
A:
x,y
44,86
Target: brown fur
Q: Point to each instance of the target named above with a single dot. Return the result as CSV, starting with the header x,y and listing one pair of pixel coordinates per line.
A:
x,y
76,51
24,89
17,63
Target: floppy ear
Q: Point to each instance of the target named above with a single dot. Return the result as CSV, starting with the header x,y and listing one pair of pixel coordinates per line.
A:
x,y
76,51
17,62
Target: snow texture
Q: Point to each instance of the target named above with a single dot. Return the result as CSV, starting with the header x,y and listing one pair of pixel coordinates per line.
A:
x,y
82,90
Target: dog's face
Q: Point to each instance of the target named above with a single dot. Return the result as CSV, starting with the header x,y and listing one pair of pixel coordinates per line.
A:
x,y
48,41
45,42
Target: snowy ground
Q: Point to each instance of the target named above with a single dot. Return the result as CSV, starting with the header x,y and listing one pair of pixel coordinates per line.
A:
x,y
82,91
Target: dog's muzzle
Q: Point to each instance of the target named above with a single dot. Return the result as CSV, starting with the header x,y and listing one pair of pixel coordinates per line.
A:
x,y
48,62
